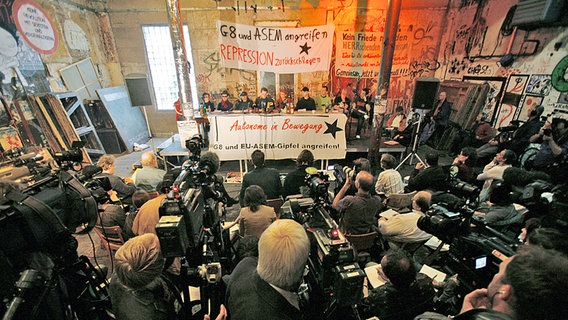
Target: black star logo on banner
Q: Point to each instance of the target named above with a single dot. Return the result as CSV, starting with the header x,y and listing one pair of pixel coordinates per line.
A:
x,y
305,48
332,128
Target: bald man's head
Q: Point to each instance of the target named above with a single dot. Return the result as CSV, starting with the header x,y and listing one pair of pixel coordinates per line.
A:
x,y
365,181
148,159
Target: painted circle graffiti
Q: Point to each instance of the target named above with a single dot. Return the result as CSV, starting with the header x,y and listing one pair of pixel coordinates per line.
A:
x,y
35,26
559,80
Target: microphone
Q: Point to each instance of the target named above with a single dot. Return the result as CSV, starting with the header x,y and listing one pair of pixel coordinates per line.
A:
x,y
210,162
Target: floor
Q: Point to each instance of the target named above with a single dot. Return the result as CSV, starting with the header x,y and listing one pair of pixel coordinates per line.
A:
x,y
89,245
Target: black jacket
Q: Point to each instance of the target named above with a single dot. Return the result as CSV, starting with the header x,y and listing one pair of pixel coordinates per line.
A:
x,y
249,297
266,178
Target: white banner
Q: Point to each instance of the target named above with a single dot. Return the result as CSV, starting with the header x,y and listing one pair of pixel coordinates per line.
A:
x,y
280,50
236,136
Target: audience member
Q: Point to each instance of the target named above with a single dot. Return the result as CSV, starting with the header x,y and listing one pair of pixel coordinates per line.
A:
x,y
358,213
224,104
520,138
477,135
465,162
264,103
406,292
493,171
323,101
255,216
433,177
149,176
501,206
137,289
139,198
397,122
533,284
549,238
306,102
244,103
554,144
149,214
297,178
266,289
123,190
403,228
530,226
405,136
112,215
267,178
390,180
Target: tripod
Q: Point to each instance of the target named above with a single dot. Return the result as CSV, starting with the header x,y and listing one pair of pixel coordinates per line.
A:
x,y
414,142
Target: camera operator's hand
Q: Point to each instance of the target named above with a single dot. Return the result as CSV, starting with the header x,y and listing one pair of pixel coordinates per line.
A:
x,y
222,314
493,142
475,300
419,166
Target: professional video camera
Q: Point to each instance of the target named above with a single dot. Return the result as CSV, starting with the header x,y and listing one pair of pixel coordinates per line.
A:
x,y
334,279
37,223
475,253
19,166
190,222
341,173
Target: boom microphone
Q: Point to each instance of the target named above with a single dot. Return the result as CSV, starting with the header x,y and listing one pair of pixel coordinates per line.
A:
x,y
210,162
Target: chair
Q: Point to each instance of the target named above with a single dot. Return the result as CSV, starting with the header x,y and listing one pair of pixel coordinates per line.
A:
x,y
111,239
362,243
276,204
399,201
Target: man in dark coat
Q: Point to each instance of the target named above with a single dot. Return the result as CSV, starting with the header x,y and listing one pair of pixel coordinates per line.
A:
x,y
266,178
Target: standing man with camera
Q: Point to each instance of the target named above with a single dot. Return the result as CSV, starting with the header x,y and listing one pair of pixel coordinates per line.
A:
x,y
358,211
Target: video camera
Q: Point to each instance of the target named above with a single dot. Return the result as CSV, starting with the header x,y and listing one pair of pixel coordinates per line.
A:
x,y
334,278
37,223
190,214
341,173
475,253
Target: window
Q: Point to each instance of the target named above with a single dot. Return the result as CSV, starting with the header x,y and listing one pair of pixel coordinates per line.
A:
x,y
160,55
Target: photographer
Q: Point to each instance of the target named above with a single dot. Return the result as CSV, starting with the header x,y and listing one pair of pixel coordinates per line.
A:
x,y
554,144
266,288
533,284
359,211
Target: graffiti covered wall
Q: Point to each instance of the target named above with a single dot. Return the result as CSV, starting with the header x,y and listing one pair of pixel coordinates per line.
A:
x,y
477,37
